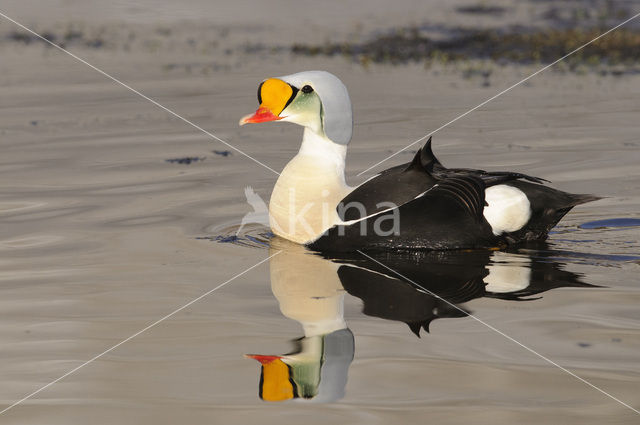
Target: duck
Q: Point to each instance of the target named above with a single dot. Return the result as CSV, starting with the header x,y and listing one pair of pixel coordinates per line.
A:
x,y
419,205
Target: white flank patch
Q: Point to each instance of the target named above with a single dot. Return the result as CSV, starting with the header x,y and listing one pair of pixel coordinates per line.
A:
x,y
508,210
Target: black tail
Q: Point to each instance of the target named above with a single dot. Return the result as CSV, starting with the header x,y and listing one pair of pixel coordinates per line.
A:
x,y
582,198
548,206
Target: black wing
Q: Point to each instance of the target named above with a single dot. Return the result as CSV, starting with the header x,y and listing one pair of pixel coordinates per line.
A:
x,y
490,178
402,183
447,216
396,185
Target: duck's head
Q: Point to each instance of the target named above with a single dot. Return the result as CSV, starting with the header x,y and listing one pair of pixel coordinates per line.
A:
x,y
316,100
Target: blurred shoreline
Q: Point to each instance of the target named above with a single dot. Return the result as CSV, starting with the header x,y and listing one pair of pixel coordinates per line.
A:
x,y
475,38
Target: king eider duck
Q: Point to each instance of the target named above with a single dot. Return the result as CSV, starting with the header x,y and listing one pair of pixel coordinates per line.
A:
x,y
417,205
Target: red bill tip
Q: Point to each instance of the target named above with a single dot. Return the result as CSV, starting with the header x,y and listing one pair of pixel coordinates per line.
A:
x,y
263,114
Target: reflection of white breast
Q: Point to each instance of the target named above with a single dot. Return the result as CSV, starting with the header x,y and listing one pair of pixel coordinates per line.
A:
x,y
508,208
308,290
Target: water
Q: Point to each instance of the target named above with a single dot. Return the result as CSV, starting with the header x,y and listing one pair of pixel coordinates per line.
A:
x,y
611,223
101,236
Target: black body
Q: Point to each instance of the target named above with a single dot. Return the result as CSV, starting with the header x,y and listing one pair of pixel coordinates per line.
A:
x,y
440,208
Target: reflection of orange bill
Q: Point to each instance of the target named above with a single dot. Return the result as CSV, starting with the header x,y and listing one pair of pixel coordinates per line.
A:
x,y
275,379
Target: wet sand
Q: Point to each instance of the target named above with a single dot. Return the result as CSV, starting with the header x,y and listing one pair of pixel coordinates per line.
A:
x,y
100,235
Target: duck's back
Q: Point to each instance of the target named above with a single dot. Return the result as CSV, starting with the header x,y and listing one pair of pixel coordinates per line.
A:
x,y
436,208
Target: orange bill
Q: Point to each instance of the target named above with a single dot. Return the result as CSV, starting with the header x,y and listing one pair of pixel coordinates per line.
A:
x,y
274,96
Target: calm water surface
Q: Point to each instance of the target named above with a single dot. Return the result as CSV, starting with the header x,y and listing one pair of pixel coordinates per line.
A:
x,y
100,236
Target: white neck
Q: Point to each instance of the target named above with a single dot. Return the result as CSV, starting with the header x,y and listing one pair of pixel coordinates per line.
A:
x,y
305,197
314,144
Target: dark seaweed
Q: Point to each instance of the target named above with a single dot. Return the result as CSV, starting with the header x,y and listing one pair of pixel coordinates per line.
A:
x,y
222,153
518,45
187,160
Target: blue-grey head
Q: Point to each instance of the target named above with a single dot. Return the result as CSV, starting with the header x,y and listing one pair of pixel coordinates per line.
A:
x,y
317,100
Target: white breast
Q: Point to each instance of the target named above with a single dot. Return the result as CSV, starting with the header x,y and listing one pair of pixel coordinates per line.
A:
x,y
508,208
304,199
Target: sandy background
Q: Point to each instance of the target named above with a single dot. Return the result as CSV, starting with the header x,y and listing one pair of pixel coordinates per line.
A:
x,y
98,233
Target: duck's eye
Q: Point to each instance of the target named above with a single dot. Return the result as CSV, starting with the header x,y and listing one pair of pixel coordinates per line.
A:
x,y
307,89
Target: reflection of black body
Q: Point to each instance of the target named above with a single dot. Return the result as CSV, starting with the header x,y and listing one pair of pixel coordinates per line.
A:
x,y
455,277
414,287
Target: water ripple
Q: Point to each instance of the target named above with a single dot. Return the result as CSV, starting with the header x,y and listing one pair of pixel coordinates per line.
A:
x,y
611,222
250,235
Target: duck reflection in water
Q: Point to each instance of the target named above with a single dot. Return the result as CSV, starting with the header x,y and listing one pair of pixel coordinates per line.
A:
x,y
411,287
